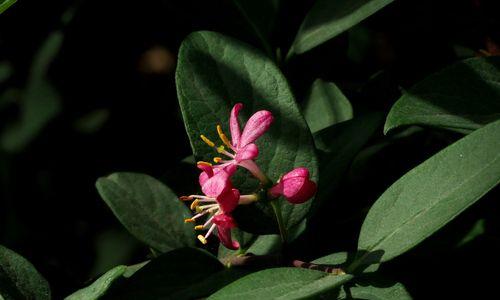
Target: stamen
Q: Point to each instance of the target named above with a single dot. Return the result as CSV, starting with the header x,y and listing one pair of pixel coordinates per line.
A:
x,y
189,220
223,137
222,150
210,231
194,204
198,227
209,221
204,163
207,141
217,160
202,239
186,198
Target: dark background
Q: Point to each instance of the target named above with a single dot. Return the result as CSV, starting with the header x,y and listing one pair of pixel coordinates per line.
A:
x,y
118,60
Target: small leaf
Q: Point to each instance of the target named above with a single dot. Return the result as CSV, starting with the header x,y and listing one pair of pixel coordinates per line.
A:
x,y
19,279
432,194
396,291
214,72
148,209
4,4
326,106
281,283
327,19
99,287
476,230
462,97
185,273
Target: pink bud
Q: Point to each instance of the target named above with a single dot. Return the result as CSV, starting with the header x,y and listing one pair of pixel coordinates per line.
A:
x,y
295,186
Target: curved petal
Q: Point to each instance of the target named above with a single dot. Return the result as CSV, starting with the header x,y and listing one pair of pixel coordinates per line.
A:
x,y
234,126
228,200
297,172
217,184
224,224
298,189
224,220
276,190
207,172
250,151
256,126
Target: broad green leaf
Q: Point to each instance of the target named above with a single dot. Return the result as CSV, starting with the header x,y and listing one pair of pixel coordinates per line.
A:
x,y
432,194
339,145
462,97
281,283
186,273
251,243
341,260
395,291
329,18
99,287
213,73
4,4
19,279
40,101
261,15
325,106
148,209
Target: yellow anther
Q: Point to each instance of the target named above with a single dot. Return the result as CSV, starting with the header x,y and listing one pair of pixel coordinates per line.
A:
x,y
198,227
217,159
221,149
204,163
198,209
207,141
202,239
195,204
190,220
223,137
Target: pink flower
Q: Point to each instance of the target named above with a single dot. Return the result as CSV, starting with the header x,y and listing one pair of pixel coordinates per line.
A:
x,y
241,150
218,201
295,186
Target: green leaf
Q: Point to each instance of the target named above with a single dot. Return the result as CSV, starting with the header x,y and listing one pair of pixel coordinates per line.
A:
x,y
99,287
281,283
148,209
19,279
432,194
340,144
214,72
4,4
341,260
327,19
5,71
325,106
251,243
476,230
185,273
261,15
462,97
396,291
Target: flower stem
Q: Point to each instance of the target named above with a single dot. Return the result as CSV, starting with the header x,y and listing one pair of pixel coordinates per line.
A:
x,y
279,219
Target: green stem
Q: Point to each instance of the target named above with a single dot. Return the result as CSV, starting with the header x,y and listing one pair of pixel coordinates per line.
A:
x,y
279,219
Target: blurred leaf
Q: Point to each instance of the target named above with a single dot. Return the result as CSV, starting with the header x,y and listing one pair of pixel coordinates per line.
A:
x,y
328,18
186,273
99,287
148,209
461,97
5,71
4,4
19,279
40,101
213,73
93,121
251,243
432,194
340,144
326,106
281,283
261,15
476,230
396,291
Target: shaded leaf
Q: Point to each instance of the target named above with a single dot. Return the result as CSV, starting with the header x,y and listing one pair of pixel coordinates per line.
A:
x,y
462,97
281,283
476,230
213,73
99,287
432,194
327,19
325,106
251,243
19,279
396,291
5,4
148,209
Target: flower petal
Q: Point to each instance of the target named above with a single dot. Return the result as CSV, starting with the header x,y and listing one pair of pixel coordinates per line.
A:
x,y
224,224
207,172
228,200
250,151
298,189
256,126
234,125
217,184
297,172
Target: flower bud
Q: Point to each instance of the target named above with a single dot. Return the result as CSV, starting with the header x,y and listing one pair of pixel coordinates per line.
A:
x,y
295,186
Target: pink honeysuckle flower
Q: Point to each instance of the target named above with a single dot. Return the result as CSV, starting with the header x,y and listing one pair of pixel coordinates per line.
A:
x,y
241,150
218,201
295,186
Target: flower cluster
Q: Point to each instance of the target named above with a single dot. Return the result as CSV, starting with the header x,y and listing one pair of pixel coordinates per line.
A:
x,y
220,198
